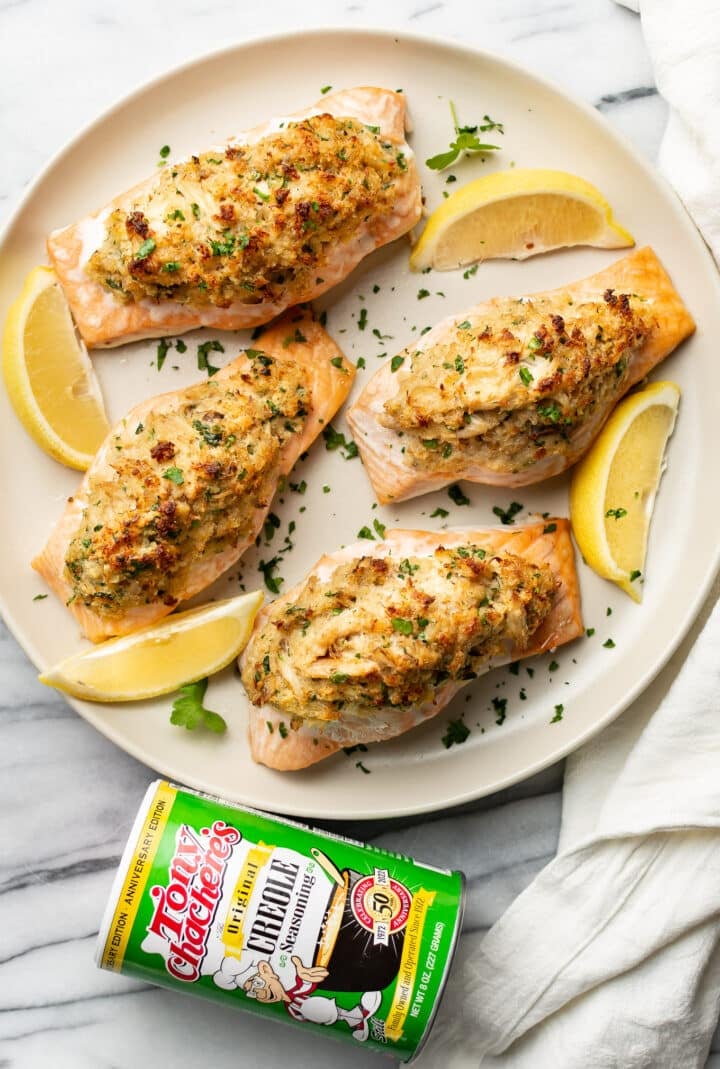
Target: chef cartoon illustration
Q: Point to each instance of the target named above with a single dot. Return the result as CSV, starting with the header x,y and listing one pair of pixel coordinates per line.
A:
x,y
264,984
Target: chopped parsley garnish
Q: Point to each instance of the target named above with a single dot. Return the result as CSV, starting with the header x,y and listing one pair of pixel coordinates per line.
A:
x,y
40,597
164,345
507,516
203,350
147,247
271,525
465,325
261,194
380,528
457,496
189,712
526,375
471,270
195,209
407,567
298,337
459,365
325,89
535,343
550,411
634,574
259,355
339,677
608,611
500,707
549,528
283,731
618,514
223,248
360,747
268,569
553,666
404,627
360,362
180,346
337,361
559,709
365,532
211,435
164,152
361,766
362,319
466,141
590,631
456,732
609,644
397,362
171,266
439,512
174,475
299,488
422,294
336,440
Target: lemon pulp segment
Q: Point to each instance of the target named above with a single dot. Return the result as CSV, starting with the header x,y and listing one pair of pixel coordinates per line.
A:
x,y
632,484
613,489
156,660
516,214
48,374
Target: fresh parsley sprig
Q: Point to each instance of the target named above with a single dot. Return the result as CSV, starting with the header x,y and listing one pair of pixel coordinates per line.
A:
x,y
189,712
466,141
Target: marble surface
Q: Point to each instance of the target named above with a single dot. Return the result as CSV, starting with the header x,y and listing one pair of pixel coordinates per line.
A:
x,y
67,795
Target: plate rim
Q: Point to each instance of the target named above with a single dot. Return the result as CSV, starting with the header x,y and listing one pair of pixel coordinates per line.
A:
x,y
651,173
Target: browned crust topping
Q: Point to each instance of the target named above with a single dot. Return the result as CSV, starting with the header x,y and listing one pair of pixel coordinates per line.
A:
x,y
183,485
385,632
255,222
511,389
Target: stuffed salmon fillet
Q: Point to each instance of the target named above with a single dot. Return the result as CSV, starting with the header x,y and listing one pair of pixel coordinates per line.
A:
x,y
380,637
235,236
181,486
514,391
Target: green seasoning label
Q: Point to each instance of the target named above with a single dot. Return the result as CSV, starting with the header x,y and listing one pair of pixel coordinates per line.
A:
x,y
281,920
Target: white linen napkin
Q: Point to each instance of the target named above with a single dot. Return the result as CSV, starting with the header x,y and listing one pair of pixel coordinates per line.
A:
x,y
611,957
683,39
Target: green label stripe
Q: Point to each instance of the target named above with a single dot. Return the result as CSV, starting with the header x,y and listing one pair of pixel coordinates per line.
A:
x,y
269,916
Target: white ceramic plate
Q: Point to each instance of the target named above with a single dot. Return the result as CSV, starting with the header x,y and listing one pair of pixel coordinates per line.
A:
x,y
208,100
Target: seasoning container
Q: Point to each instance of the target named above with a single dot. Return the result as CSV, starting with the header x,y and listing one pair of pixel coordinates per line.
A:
x,y
270,916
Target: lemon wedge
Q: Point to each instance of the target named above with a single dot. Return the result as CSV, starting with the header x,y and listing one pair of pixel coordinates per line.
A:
x,y
185,647
48,374
516,214
613,488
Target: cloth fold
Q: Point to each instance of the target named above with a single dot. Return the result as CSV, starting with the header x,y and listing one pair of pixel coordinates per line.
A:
x,y
612,956
683,38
